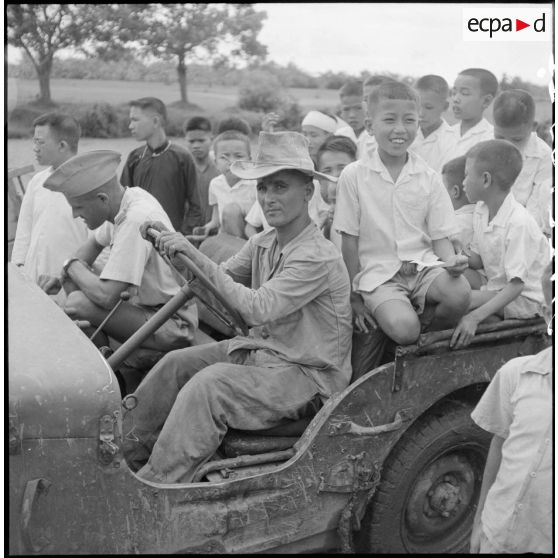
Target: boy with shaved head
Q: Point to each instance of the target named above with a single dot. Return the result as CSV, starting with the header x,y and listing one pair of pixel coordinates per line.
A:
x,y
507,242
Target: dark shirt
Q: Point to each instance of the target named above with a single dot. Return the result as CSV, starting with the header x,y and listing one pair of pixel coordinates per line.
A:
x,y
169,174
205,175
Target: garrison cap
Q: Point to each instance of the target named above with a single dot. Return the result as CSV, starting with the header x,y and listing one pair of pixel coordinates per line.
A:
x,y
84,173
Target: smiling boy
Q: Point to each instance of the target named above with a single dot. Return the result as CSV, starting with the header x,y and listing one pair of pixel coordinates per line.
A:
x,y
395,217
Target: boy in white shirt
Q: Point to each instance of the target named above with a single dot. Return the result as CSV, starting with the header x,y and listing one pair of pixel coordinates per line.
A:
x,y
435,136
230,197
473,91
453,174
507,241
514,119
395,218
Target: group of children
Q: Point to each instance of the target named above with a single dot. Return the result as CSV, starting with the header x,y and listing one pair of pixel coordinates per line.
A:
x,y
440,226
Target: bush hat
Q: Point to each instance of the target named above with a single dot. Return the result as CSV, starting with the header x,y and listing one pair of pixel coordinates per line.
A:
x,y
278,151
84,173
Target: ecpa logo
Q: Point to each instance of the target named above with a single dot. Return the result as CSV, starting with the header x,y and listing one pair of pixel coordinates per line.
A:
x,y
507,24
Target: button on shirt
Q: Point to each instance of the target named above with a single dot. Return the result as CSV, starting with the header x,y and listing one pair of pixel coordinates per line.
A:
x,y
511,245
528,188
517,406
435,146
482,131
298,305
395,222
133,259
47,233
243,193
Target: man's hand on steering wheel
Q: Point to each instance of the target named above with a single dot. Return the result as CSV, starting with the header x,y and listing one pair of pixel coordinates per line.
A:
x,y
167,243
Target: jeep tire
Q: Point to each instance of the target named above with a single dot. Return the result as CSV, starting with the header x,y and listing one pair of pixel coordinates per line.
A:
x,y
429,488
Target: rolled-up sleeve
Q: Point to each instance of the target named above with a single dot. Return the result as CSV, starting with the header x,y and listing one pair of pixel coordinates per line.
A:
x,y
494,412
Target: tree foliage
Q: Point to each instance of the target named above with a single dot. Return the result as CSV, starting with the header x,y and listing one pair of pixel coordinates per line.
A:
x,y
189,32
42,30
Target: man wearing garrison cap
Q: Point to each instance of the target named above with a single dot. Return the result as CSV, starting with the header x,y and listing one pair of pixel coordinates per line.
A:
x,y
95,195
298,349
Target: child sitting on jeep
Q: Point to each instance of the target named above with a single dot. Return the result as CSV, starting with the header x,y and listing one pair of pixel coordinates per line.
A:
x,y
507,241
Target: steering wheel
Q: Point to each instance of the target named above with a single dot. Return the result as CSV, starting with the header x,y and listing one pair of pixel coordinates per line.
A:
x,y
236,321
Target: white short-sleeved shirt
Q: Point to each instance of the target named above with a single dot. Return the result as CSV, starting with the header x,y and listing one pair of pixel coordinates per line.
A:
x,y
511,245
517,406
464,216
435,146
482,131
366,144
395,222
133,259
537,170
46,234
243,193
317,209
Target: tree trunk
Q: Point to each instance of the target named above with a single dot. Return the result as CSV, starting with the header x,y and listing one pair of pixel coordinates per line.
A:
x,y
181,69
44,69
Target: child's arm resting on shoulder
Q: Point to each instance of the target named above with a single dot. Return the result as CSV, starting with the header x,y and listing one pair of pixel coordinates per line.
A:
x,y
467,326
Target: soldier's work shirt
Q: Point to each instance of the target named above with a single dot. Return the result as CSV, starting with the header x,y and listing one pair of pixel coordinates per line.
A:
x,y
517,406
298,305
133,259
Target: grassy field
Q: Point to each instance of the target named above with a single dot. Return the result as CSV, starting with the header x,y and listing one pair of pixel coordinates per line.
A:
x,y
210,99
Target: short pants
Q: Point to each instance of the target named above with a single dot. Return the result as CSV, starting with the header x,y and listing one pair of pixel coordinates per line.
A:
x,y
407,288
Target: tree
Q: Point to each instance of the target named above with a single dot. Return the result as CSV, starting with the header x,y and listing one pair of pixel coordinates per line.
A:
x,y
42,30
189,32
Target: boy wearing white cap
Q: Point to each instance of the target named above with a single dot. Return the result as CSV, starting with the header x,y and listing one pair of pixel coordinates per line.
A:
x,y
94,193
298,348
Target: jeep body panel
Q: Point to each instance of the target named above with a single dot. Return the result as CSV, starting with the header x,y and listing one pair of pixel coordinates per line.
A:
x,y
66,497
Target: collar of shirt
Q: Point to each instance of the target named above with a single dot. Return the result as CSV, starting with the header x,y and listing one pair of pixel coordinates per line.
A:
x,y
502,215
157,151
413,165
465,209
541,363
480,128
443,128
532,147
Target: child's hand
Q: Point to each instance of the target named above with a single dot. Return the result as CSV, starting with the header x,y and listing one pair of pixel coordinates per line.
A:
x,y
464,332
457,264
269,121
362,317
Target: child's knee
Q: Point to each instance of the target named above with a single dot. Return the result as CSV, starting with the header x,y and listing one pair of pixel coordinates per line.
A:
x,y
457,295
401,324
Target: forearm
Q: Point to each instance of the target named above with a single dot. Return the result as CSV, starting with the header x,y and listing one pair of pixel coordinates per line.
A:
x,y
102,292
349,250
89,251
475,261
443,248
511,291
491,468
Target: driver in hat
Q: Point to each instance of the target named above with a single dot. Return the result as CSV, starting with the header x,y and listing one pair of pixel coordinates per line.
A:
x,y
291,287
91,187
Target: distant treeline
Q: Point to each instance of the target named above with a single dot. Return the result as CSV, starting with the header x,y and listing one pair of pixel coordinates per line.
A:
x,y
132,69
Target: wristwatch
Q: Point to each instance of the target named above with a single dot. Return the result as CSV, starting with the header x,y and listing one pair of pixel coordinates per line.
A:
x,y
67,264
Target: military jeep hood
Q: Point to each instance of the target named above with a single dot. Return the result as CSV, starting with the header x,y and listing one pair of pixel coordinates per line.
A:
x,y
59,384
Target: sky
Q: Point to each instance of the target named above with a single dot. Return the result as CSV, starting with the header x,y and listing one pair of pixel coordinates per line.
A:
x,y
405,38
